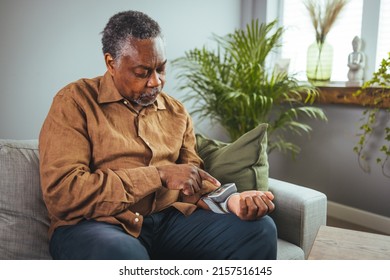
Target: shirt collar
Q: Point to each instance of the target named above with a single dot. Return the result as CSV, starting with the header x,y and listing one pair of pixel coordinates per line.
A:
x,y
108,93
107,90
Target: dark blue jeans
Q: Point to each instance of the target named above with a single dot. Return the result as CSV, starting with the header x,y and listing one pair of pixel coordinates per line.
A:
x,y
169,235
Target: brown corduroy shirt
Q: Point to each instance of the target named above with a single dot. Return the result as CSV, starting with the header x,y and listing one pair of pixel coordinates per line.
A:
x,y
98,156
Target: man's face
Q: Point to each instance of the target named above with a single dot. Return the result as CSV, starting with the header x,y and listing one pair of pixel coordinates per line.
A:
x,y
139,74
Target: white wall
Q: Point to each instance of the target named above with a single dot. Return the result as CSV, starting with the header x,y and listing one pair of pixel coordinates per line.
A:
x,y
46,44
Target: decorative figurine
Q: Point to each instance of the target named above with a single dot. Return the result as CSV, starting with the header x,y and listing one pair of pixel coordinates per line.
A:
x,y
356,63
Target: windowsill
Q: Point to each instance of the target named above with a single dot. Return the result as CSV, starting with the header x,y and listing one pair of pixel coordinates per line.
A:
x,y
341,93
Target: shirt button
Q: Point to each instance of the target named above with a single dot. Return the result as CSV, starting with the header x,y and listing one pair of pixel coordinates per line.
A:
x,y
136,213
136,220
125,102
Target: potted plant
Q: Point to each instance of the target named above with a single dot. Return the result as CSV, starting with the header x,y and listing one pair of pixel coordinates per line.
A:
x,y
231,84
375,118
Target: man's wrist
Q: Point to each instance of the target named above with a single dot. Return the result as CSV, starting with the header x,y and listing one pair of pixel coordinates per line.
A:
x,y
225,206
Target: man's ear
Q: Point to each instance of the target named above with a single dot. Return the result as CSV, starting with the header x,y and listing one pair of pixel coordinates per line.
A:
x,y
110,63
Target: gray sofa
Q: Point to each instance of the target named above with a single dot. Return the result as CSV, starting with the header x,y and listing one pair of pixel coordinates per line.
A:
x,y
24,222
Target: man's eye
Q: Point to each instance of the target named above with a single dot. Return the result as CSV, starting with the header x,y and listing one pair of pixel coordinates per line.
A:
x,y
141,74
161,70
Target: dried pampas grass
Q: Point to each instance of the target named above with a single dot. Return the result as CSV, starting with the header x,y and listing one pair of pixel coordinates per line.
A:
x,y
322,17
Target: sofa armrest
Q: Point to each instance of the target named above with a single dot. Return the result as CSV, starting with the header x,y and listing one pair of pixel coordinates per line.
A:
x,y
299,213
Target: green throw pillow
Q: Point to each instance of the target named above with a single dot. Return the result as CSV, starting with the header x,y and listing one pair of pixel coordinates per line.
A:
x,y
243,162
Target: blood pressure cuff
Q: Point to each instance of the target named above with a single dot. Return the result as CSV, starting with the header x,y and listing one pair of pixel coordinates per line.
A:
x,y
217,199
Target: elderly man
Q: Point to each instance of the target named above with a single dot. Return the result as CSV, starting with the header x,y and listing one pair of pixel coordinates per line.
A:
x,y
119,172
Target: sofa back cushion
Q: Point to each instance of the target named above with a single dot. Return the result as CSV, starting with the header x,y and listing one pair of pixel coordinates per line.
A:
x,y
24,219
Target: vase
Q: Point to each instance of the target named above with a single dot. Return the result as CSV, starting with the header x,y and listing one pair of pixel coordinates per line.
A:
x,y
319,63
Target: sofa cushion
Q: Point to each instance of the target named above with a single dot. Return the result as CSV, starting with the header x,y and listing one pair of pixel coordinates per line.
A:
x,y
244,161
24,220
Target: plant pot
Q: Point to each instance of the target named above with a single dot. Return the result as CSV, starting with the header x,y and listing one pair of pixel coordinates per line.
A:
x,y
319,63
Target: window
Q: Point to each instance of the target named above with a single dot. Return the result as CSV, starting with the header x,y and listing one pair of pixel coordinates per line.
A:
x,y
300,34
384,32
368,19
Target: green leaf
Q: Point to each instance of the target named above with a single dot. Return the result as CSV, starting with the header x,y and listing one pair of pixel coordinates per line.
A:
x,y
231,84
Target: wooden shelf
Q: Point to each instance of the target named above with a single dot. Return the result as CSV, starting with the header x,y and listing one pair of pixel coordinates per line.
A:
x,y
340,93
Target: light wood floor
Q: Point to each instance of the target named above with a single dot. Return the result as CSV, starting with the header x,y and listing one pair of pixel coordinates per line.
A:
x,y
343,224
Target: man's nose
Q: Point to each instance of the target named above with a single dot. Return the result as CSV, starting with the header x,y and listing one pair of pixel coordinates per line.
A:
x,y
154,79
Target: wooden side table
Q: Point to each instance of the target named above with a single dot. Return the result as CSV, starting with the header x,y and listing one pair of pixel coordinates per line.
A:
x,y
334,243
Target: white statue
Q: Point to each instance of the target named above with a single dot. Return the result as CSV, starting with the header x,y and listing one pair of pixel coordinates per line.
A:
x,y
356,63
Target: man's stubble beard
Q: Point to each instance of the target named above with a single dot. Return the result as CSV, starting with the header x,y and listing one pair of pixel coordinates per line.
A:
x,y
146,99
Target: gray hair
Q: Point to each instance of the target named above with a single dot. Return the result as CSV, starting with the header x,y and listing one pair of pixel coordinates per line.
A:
x,y
127,25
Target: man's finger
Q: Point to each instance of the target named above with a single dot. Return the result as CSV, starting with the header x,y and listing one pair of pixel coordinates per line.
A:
x,y
252,208
187,191
188,188
269,203
270,195
243,208
262,206
198,182
206,176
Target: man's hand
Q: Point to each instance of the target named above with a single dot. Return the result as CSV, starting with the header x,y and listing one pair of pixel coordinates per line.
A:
x,y
251,205
185,177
